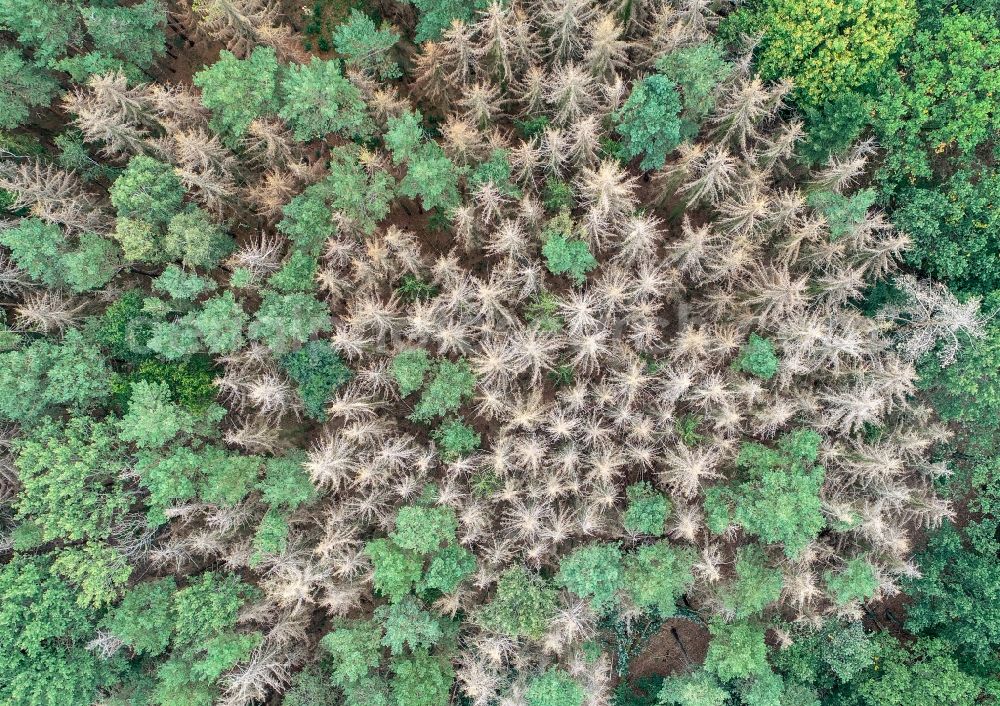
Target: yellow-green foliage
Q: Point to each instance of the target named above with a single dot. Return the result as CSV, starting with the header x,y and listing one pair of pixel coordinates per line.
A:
x,y
826,46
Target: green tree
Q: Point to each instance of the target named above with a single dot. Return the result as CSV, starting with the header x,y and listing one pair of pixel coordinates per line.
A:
x,y
697,70
736,651
46,27
408,626
435,16
71,479
404,135
456,439
409,368
46,374
318,371
220,323
647,510
43,633
147,190
593,572
447,569
144,619
205,642
756,586
354,648
758,358
133,33
284,320
421,680
424,529
153,419
318,100
23,86
240,91
432,177
570,257
656,575
52,258
366,47
139,240
649,121
554,687
195,241
396,570
777,496
100,572
522,607
826,48
700,688
452,384
286,483
856,582
926,674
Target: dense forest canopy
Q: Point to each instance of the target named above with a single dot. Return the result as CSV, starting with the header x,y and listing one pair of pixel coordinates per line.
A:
x,y
471,352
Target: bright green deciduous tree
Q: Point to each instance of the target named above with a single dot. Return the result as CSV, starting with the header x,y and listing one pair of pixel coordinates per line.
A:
x,y
830,47
194,240
649,121
656,575
240,91
943,97
736,651
409,368
147,190
71,479
758,358
647,510
554,687
452,384
522,607
354,648
317,100
593,572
